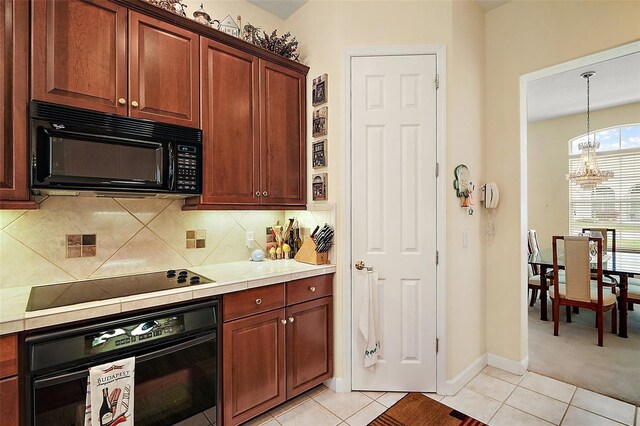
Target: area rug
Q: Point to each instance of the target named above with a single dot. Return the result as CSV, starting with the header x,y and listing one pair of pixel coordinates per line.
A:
x,y
416,409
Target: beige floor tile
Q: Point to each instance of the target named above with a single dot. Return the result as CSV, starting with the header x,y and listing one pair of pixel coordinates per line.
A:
x,y
491,387
309,413
604,406
343,405
316,391
289,405
473,404
509,416
373,395
390,398
548,386
265,419
578,417
434,396
502,375
538,405
367,414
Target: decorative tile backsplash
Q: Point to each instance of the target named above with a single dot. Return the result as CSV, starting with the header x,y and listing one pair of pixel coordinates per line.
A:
x,y
124,236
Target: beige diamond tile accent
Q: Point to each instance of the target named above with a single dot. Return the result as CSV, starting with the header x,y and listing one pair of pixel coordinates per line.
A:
x,y
45,230
146,252
172,224
8,216
19,261
232,248
145,210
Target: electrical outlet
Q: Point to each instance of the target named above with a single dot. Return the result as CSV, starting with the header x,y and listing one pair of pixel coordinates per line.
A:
x,y
250,238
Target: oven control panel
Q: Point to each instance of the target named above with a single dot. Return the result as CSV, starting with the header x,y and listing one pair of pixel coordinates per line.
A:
x,y
188,169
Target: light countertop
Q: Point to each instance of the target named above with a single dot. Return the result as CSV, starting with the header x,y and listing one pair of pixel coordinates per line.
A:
x,y
228,277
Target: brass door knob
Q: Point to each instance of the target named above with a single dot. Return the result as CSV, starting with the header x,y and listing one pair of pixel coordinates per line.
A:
x,y
312,289
360,265
134,104
257,193
291,319
283,322
122,101
258,301
265,193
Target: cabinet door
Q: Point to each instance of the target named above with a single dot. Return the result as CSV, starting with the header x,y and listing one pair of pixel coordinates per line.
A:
x,y
79,54
163,72
14,75
253,365
309,345
282,146
230,125
9,398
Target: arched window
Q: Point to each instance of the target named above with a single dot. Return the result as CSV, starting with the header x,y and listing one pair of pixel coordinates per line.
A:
x,y
615,203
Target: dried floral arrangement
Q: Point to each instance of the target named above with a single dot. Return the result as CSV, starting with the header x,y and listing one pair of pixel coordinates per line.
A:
x,y
175,6
283,45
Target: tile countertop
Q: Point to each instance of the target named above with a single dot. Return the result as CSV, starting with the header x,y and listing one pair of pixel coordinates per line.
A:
x,y
228,277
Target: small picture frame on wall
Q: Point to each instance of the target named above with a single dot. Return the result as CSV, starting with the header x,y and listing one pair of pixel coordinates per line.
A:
x,y
319,92
319,186
320,121
320,153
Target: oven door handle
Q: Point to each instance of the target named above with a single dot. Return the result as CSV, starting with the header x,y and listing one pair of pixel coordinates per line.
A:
x,y
69,377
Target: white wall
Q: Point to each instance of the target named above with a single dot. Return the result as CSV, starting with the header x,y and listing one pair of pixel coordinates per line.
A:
x,y
548,163
521,37
325,29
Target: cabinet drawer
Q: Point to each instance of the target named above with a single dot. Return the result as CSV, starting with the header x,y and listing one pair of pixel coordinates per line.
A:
x,y
253,301
309,289
8,355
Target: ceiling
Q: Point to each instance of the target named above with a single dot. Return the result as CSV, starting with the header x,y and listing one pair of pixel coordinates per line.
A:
x,y
616,82
281,8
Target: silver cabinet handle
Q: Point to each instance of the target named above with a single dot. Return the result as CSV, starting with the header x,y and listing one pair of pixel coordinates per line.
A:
x,y
283,322
258,301
122,101
291,319
265,193
257,193
134,104
312,289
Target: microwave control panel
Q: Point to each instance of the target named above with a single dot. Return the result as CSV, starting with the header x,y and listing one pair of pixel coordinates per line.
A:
x,y
188,168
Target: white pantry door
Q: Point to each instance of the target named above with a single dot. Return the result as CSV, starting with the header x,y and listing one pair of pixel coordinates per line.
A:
x,y
393,136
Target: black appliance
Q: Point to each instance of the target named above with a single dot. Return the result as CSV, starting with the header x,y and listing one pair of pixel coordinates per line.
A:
x,y
56,295
176,373
80,152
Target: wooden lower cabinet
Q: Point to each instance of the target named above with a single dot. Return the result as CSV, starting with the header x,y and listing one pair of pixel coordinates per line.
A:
x,y
9,405
253,363
273,356
309,345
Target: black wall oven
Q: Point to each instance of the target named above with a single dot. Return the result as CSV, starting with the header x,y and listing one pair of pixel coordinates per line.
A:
x,y
176,373
80,152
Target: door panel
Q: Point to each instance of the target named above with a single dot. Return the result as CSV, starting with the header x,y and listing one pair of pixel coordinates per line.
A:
x,y
79,54
282,147
230,125
309,345
253,365
394,217
163,72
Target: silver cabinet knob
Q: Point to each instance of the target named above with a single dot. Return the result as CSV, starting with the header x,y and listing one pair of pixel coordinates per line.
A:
x,y
134,104
283,322
122,101
312,289
291,319
265,193
258,301
257,193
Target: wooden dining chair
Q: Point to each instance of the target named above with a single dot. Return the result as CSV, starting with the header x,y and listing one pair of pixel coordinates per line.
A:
x,y
579,289
534,270
605,237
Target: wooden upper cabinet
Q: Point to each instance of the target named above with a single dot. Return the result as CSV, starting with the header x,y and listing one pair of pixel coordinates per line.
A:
x,y
14,85
230,124
79,54
163,71
282,135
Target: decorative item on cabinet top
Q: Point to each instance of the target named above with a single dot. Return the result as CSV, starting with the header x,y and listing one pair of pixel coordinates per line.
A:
x,y
175,6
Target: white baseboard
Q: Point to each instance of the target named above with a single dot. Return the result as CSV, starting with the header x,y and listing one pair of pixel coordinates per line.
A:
x,y
454,385
338,384
506,364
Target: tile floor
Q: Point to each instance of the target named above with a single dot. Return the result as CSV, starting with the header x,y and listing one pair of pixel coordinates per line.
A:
x,y
493,396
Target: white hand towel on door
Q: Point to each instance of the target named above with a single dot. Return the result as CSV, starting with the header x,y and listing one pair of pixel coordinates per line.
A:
x,y
368,321
104,408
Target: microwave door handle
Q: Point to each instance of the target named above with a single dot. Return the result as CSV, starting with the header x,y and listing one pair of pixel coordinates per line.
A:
x,y
171,168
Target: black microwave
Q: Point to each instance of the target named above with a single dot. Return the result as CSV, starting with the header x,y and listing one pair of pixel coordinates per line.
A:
x,y
80,152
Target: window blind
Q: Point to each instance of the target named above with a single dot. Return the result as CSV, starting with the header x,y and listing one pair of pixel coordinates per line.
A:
x,y
612,204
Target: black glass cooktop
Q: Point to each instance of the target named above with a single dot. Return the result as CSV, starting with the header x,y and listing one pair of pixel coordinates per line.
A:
x,y
53,296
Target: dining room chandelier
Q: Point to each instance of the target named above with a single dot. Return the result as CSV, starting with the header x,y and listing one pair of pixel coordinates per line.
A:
x,y
588,175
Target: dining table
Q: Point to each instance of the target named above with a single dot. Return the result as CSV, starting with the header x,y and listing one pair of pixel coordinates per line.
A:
x,y
615,263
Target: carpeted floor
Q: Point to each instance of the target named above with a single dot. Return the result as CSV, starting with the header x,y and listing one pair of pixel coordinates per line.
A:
x,y
415,409
574,357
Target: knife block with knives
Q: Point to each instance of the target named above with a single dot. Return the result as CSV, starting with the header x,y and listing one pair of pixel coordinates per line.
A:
x,y
315,250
